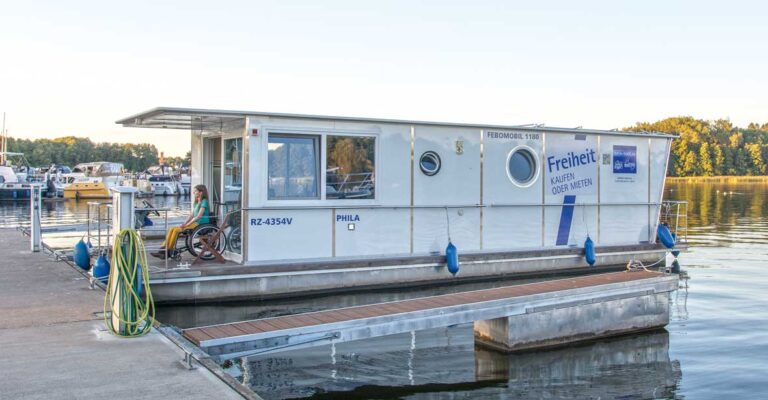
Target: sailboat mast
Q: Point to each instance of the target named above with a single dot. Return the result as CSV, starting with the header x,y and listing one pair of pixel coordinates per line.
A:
x,y
3,146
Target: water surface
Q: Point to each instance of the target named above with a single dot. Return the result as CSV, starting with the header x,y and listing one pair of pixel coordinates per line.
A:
x,y
715,347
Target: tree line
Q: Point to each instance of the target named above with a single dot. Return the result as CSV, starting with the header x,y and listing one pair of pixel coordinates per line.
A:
x,y
713,148
72,150
705,148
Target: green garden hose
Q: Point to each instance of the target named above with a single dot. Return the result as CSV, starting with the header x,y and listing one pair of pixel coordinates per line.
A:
x,y
128,278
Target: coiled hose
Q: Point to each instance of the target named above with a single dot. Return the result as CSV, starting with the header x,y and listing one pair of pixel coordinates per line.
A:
x,y
129,276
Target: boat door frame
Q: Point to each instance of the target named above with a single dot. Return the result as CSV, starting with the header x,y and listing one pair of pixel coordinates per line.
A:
x,y
207,157
232,256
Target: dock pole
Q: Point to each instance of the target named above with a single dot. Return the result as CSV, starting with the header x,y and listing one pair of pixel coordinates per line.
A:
x,y
35,201
123,217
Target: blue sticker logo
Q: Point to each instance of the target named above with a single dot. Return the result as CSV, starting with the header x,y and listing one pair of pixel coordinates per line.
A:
x,y
624,159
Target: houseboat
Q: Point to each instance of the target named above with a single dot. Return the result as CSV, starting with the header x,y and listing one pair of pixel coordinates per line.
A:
x,y
325,203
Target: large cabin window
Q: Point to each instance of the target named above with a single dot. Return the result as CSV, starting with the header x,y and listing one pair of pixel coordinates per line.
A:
x,y
350,167
294,163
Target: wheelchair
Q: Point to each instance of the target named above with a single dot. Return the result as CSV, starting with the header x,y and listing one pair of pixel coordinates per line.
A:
x,y
190,241
188,238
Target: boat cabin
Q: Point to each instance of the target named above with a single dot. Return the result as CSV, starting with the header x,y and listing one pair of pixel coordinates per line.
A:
x,y
321,188
99,169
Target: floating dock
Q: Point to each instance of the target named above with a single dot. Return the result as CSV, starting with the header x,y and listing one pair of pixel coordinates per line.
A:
x,y
509,318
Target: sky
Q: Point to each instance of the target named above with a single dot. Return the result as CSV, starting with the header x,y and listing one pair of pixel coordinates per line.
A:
x,y
75,67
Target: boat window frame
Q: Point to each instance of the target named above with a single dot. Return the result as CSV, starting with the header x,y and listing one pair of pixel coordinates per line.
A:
x,y
322,132
436,158
534,156
319,159
344,201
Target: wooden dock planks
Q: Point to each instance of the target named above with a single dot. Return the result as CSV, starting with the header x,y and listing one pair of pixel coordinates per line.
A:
x,y
196,335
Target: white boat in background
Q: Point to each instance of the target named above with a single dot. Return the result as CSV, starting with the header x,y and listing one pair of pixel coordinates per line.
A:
x,y
57,177
164,181
139,182
164,185
96,182
11,188
15,176
185,181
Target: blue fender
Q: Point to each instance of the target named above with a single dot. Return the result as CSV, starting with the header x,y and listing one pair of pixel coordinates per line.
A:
x,y
589,251
101,269
665,236
81,255
452,258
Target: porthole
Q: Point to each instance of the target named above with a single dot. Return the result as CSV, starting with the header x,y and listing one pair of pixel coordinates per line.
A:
x,y
429,163
521,166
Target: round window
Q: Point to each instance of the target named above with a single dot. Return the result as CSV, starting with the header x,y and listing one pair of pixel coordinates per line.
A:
x,y
521,166
429,163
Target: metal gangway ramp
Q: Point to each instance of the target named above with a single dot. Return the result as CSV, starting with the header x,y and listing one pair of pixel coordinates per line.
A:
x,y
640,298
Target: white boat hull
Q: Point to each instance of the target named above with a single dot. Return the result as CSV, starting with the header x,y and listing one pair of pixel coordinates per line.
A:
x,y
165,189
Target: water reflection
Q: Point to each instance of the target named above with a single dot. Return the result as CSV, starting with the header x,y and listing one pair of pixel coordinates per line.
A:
x,y
445,363
723,213
64,220
58,212
717,329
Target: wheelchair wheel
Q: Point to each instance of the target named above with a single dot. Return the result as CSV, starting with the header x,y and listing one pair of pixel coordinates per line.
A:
x,y
234,240
207,232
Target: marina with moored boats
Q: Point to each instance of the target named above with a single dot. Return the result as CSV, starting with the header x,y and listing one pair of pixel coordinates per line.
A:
x,y
93,180
495,226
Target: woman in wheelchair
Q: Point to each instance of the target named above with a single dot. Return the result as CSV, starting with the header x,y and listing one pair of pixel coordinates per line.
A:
x,y
200,215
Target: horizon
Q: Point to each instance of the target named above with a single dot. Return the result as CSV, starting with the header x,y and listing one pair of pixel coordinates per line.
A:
x,y
74,69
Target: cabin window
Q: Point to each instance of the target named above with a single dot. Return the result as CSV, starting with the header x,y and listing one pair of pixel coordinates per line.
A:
x,y
293,167
521,166
350,164
429,163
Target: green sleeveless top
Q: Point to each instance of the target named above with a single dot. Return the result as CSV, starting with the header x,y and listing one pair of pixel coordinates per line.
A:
x,y
205,218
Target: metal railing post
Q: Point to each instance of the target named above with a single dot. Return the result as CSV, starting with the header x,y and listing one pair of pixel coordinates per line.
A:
x,y
167,244
35,232
98,226
109,224
88,219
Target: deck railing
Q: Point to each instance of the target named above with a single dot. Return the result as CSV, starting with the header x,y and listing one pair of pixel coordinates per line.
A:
x,y
675,214
99,224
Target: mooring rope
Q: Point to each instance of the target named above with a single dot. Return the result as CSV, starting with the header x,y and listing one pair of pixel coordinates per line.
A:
x,y
637,265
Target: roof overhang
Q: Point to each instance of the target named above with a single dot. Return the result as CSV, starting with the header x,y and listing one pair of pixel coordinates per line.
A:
x,y
205,119
181,118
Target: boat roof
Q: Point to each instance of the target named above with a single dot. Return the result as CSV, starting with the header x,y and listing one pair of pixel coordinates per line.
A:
x,y
189,118
96,163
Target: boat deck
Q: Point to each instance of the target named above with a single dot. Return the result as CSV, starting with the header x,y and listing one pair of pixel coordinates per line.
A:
x,y
208,269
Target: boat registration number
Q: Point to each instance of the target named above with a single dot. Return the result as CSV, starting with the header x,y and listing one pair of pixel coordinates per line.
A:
x,y
270,221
